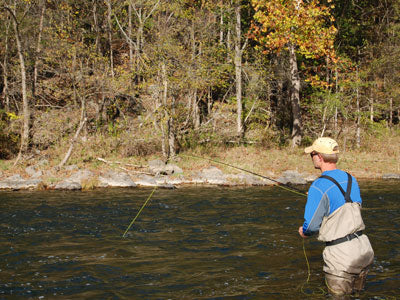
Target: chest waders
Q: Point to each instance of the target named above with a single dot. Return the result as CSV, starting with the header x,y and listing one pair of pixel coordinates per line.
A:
x,y
347,198
348,252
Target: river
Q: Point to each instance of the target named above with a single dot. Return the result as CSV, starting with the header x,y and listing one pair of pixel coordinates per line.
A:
x,y
188,243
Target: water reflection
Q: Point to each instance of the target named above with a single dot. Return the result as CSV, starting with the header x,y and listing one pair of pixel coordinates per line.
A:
x,y
238,243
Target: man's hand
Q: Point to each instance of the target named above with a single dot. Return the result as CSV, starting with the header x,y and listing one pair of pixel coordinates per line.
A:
x,y
301,232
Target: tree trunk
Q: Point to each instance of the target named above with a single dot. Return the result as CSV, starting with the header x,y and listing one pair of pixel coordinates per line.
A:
x,y
371,107
229,44
229,38
336,109
194,104
335,120
74,80
323,122
25,101
196,111
390,123
166,115
171,133
221,24
38,49
142,18
210,101
138,50
96,26
130,34
238,71
109,13
82,123
358,119
71,147
295,97
5,73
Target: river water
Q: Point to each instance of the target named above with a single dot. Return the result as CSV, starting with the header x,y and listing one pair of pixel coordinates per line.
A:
x,y
188,243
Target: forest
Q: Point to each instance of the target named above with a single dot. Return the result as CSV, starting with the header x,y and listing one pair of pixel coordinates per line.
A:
x,y
143,77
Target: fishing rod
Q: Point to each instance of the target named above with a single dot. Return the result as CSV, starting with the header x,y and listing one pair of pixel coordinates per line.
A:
x,y
279,184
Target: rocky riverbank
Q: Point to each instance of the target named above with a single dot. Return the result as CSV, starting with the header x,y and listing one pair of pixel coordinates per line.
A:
x,y
155,173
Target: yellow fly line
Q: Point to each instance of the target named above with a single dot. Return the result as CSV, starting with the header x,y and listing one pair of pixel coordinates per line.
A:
x,y
279,184
144,204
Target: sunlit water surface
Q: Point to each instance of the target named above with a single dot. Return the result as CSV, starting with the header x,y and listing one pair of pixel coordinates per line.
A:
x,y
188,243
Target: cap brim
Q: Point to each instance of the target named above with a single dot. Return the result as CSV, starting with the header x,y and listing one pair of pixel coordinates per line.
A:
x,y
308,150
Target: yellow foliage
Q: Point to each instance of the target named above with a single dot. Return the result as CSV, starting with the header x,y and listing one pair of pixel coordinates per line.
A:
x,y
12,116
307,25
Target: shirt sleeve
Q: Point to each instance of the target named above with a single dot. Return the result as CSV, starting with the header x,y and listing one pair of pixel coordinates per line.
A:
x,y
355,192
317,207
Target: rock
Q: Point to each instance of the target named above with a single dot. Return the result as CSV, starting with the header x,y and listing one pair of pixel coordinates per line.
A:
x,y
49,173
173,169
156,166
213,175
38,174
33,172
176,180
80,176
114,179
16,182
197,180
15,177
43,162
311,178
74,182
167,186
71,168
145,180
292,177
163,182
160,182
68,185
391,176
248,179
160,179
30,170
159,167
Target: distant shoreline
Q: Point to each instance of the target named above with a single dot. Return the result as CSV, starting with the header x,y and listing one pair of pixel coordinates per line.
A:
x,y
285,166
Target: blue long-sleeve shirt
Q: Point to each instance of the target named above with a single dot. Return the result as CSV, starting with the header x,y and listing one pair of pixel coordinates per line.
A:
x,y
324,197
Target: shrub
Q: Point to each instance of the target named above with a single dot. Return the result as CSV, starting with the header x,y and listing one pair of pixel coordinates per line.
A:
x,y
8,140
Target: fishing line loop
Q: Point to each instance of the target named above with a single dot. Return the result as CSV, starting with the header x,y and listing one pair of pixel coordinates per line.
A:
x,y
321,292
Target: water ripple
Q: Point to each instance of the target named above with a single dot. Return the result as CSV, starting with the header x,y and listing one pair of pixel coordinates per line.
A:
x,y
202,243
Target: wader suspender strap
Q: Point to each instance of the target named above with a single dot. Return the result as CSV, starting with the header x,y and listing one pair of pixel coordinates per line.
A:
x,y
348,190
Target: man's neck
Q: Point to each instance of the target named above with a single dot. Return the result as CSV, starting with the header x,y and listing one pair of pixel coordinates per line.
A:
x,y
328,167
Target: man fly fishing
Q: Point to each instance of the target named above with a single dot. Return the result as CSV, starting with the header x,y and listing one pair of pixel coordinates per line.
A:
x,y
333,209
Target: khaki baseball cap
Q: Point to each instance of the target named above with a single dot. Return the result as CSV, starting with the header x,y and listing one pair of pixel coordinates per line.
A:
x,y
323,145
